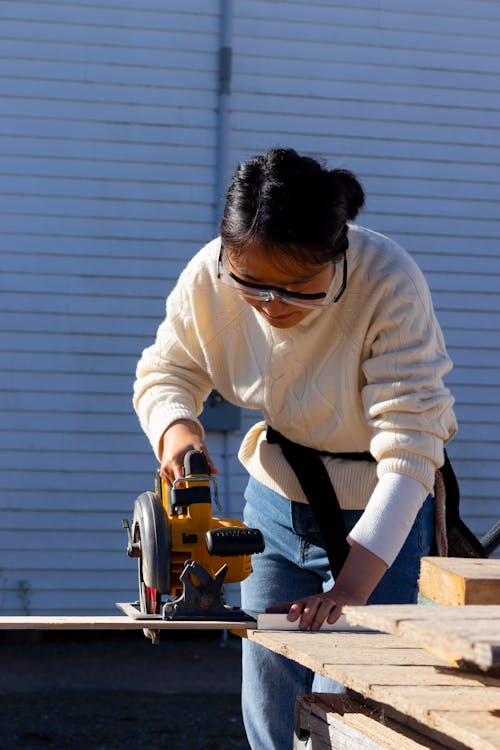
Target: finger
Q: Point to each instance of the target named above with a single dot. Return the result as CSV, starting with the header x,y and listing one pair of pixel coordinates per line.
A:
x,y
309,613
322,613
334,614
295,610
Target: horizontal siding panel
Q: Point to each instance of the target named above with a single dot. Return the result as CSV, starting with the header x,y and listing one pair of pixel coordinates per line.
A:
x,y
480,138
84,480
80,33
328,142
88,137
76,540
106,558
369,73
14,50
110,150
49,580
122,76
109,210
104,227
171,101
125,247
470,321
372,12
41,302
373,112
68,361
140,287
88,444
99,16
474,376
452,34
129,191
67,462
445,209
64,522
92,601
75,382
74,499
466,300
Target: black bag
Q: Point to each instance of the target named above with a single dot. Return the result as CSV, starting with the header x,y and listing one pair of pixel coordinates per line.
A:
x,y
461,541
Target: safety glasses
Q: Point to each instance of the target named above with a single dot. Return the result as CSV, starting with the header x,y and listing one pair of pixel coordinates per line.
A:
x,y
269,293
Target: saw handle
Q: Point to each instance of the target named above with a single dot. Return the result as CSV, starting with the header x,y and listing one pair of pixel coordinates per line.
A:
x,y
231,541
196,464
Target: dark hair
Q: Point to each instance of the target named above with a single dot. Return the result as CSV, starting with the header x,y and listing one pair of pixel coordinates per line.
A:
x,y
287,202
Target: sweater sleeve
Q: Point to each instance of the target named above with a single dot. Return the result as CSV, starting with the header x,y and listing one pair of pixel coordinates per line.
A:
x,y
407,406
389,516
171,382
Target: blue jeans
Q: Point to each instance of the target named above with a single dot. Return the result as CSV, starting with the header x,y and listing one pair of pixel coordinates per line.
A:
x,y
293,565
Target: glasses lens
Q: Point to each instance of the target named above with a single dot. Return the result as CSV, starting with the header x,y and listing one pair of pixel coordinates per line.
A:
x,y
269,293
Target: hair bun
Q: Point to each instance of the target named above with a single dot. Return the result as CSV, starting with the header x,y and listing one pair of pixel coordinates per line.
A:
x,y
349,190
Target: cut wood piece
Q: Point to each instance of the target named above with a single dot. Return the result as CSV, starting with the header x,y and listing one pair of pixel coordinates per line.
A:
x,y
112,622
460,581
338,722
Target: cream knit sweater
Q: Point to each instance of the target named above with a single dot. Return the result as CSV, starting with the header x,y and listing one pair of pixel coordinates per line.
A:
x,y
364,374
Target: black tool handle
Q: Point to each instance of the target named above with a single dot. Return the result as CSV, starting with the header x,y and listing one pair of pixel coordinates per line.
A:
x,y
196,464
231,541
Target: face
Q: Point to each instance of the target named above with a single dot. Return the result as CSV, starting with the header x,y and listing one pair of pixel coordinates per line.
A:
x,y
256,267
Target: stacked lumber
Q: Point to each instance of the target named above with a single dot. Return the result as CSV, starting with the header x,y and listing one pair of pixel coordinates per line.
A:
x,y
459,581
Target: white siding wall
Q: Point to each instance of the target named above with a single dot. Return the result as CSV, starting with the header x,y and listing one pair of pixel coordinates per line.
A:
x,y
109,179
108,132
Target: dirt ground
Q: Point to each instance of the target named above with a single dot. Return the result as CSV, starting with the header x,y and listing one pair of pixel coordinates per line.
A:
x,y
110,691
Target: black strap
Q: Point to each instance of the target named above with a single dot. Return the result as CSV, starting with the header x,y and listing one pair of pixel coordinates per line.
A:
x,y
461,540
317,487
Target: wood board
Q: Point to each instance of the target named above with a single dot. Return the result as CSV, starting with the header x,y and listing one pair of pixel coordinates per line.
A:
x,y
458,709
461,635
111,622
459,581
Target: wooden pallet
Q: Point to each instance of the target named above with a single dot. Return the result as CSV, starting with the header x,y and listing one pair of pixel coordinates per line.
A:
x,y
342,722
411,685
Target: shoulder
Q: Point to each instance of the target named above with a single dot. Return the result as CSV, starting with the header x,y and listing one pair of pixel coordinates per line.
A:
x,y
202,268
379,261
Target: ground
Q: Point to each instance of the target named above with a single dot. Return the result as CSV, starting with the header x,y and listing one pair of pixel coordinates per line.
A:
x,y
117,691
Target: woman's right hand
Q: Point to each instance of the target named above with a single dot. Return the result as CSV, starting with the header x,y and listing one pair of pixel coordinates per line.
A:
x,y
179,438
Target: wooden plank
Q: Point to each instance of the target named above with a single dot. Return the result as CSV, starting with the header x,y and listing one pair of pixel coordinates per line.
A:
x,y
459,634
112,622
426,694
459,581
340,722
479,723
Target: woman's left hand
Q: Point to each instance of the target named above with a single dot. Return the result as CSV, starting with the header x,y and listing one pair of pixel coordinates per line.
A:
x,y
361,572
316,609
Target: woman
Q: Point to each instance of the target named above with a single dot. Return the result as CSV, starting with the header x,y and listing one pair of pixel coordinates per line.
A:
x,y
328,329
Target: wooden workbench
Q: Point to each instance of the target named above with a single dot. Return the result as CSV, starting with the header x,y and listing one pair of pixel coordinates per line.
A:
x,y
411,685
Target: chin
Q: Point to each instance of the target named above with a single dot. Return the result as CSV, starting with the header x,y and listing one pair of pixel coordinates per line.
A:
x,y
286,320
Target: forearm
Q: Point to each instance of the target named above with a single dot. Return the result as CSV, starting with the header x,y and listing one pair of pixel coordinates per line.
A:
x,y
360,575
